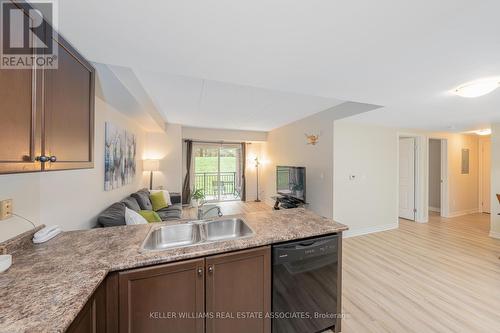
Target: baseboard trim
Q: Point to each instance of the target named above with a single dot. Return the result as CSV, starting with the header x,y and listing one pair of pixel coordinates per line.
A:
x,y
463,212
435,209
494,234
370,230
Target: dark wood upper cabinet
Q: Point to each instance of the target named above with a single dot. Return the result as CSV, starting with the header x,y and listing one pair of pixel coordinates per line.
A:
x,y
154,299
20,134
68,130
47,113
239,283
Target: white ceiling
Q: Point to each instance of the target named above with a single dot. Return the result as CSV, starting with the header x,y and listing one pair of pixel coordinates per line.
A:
x,y
212,104
404,55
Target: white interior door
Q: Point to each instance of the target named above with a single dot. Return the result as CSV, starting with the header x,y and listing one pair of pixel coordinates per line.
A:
x,y
486,178
407,178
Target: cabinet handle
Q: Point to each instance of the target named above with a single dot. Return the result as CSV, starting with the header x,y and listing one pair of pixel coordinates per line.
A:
x,y
42,158
45,159
200,271
210,269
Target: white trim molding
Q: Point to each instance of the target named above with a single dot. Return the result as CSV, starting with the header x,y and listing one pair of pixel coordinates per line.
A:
x,y
494,234
435,209
464,212
370,230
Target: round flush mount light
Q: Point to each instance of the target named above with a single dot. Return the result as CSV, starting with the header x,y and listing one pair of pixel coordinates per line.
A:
x,y
477,88
486,131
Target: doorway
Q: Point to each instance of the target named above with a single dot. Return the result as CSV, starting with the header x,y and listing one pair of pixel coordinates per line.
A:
x,y
218,170
485,175
407,184
435,179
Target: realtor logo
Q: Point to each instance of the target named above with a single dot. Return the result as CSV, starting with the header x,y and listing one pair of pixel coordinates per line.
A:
x,y
27,40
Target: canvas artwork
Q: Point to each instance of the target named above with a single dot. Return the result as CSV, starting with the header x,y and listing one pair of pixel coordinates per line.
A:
x,y
120,157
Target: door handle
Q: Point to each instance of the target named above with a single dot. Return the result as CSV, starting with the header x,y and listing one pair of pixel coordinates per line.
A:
x,y
200,271
210,269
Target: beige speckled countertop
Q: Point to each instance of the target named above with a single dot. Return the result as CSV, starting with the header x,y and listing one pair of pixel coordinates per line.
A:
x,y
48,284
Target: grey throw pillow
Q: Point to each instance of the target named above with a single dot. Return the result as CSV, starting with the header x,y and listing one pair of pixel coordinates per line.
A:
x,y
142,198
113,216
131,203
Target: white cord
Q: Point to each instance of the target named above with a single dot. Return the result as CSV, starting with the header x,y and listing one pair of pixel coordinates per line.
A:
x,y
33,224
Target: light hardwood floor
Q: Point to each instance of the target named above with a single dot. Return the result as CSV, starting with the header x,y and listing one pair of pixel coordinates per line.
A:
x,y
442,276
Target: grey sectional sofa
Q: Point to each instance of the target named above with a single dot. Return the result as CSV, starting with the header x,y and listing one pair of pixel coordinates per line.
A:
x,y
114,215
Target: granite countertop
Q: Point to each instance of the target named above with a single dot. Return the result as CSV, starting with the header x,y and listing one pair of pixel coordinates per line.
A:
x,y
48,284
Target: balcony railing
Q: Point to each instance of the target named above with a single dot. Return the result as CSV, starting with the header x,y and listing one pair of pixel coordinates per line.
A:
x,y
212,185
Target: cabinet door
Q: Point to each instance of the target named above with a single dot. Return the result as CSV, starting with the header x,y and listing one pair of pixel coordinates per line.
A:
x,y
19,119
239,284
68,129
91,318
161,299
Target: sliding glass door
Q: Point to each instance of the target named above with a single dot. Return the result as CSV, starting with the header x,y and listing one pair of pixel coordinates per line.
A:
x,y
218,170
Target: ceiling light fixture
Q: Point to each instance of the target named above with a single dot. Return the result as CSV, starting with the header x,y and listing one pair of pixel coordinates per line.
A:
x,y
477,88
486,131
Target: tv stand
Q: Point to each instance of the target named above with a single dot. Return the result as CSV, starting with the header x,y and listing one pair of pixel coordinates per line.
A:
x,y
284,202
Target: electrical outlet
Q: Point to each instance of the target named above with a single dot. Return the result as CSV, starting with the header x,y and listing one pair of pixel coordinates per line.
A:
x,y
5,209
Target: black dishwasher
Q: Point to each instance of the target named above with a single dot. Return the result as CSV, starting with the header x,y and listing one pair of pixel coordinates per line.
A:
x,y
305,285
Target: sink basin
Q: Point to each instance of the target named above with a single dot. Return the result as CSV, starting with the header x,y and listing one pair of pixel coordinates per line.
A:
x,y
173,236
199,232
227,229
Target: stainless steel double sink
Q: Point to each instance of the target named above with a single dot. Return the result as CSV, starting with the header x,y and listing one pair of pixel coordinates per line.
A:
x,y
195,233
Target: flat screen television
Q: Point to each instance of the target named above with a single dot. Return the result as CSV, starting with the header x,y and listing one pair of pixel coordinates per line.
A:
x,y
291,182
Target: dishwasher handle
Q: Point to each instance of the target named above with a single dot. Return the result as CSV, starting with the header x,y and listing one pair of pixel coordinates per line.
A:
x,y
305,249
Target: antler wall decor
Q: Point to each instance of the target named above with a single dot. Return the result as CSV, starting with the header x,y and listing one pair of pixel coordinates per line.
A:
x,y
312,139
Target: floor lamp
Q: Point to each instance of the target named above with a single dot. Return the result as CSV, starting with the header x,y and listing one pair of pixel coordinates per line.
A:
x,y
151,166
257,163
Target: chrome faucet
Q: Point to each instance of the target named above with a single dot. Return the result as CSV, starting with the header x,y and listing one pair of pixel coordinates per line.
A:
x,y
202,214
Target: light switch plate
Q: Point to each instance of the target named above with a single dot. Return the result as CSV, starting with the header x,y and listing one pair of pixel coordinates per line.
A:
x,y
5,209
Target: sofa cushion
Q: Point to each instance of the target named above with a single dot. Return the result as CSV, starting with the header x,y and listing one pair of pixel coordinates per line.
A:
x,y
167,215
174,207
131,203
158,201
150,216
132,217
166,195
142,198
113,216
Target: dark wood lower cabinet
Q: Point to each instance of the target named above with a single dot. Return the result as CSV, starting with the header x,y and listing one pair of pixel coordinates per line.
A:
x,y
92,317
239,292
229,292
164,298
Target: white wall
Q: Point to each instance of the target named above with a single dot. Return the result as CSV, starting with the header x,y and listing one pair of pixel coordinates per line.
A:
x,y
167,147
434,174
288,146
71,199
254,149
24,189
211,134
495,180
369,202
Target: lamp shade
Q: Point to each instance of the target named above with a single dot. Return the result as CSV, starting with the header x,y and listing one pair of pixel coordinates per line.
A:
x,y
151,165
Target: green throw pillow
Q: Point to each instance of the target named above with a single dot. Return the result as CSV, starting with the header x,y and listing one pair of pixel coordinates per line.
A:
x,y
150,216
158,201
